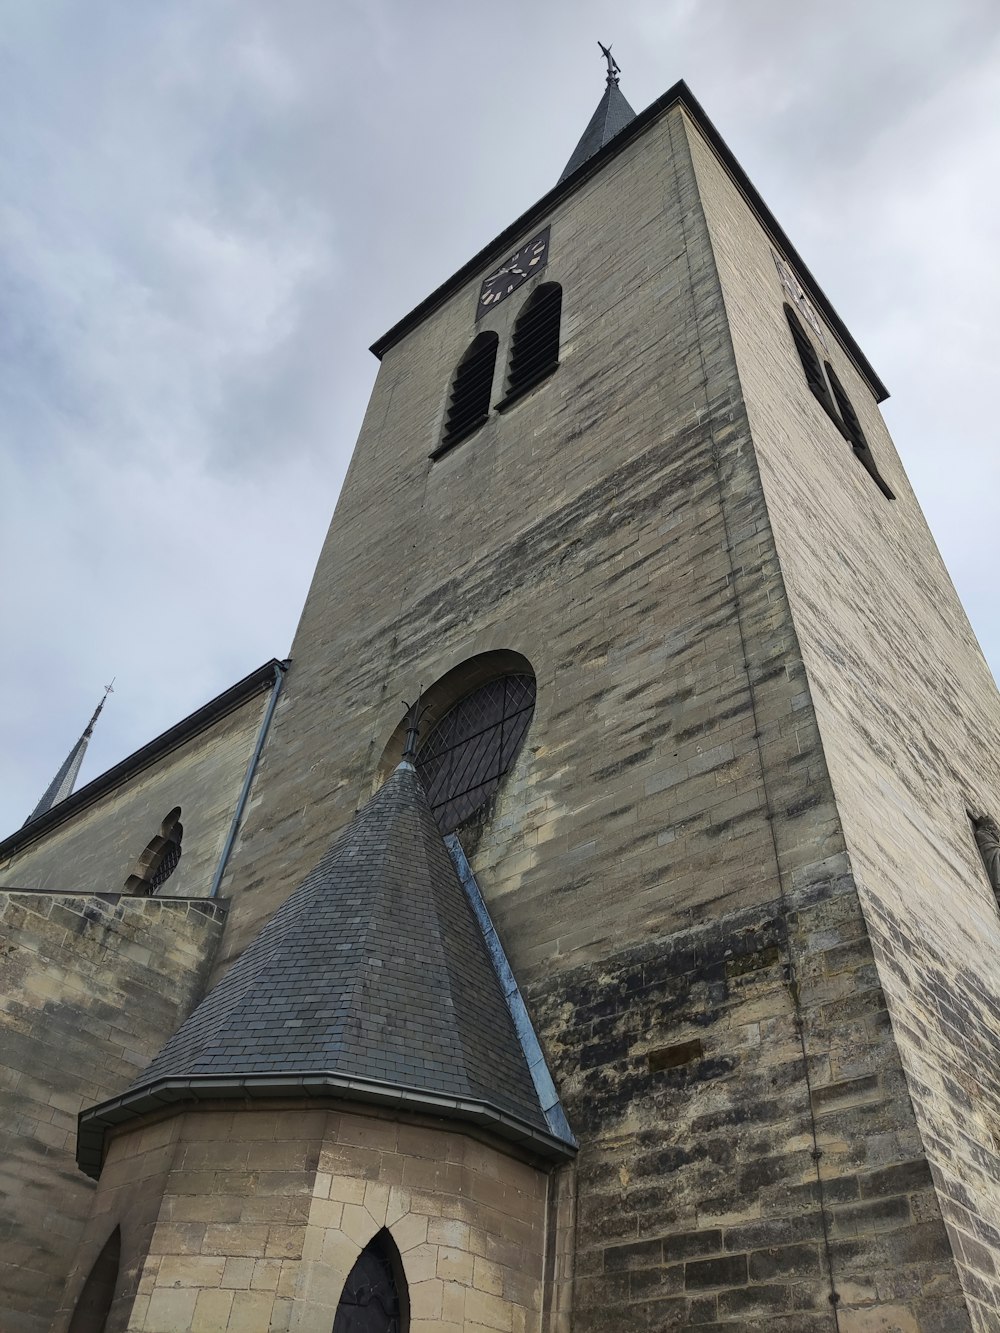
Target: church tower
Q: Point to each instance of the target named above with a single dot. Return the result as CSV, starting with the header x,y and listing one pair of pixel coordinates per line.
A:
x,y
708,746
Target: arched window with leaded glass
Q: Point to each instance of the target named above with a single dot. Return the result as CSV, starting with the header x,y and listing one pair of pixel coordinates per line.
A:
x,y
374,1299
160,858
465,756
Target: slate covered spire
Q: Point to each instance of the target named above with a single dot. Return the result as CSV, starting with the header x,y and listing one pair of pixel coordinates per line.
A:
x,y
371,982
64,781
612,115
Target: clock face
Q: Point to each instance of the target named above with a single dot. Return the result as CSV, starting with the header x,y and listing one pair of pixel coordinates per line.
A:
x,y
529,260
798,299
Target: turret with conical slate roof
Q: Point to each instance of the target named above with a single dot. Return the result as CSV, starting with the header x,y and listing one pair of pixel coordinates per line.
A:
x,y
371,983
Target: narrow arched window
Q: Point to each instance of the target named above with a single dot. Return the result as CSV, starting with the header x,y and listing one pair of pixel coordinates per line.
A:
x,y
855,434
94,1305
469,401
534,347
160,858
374,1298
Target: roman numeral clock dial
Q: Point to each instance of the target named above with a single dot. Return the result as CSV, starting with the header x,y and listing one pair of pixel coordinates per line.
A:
x,y
528,261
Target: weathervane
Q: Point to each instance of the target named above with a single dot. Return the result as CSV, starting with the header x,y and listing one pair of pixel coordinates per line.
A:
x,y
613,67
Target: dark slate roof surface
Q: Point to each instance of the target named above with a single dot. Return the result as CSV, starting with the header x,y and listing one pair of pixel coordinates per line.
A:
x,y
613,114
374,969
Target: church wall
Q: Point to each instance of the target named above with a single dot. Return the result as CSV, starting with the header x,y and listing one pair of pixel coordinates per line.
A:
x,y
718,1186
97,849
261,1214
92,987
908,715
671,804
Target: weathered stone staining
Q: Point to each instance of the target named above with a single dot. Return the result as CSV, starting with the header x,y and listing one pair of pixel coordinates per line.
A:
x,y
730,866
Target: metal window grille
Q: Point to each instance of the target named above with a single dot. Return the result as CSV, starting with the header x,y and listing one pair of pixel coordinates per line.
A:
x,y
464,758
169,860
855,433
534,348
469,404
370,1301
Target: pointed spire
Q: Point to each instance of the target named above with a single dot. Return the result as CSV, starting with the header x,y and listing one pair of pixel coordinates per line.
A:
x,y
64,781
612,115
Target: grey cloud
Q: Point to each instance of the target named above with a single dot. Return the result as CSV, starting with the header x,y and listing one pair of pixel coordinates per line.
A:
x,y
210,212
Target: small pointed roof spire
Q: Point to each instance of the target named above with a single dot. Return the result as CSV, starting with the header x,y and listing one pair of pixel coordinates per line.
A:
x,y
64,781
612,115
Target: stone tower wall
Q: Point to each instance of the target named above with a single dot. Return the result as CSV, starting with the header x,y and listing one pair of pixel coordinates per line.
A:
x,y
910,724
665,864
584,528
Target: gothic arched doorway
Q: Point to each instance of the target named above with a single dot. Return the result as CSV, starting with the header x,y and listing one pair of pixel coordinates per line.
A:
x,y
374,1296
94,1305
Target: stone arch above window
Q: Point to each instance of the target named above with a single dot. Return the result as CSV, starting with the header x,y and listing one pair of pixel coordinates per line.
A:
x,y
471,390
374,1299
160,858
534,345
94,1306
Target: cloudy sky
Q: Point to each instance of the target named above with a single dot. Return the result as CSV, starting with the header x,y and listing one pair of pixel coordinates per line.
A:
x,y
210,208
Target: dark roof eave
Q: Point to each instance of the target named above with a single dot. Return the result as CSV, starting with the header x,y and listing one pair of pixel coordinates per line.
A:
x,y
94,1123
679,93
216,708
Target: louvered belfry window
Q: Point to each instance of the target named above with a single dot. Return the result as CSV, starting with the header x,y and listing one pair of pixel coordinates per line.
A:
x,y
465,756
534,348
810,363
469,403
855,434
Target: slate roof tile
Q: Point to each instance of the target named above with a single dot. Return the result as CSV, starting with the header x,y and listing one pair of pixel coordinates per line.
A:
x,y
612,115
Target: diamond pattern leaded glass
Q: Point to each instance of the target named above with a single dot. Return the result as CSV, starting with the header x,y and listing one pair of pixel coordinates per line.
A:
x,y
472,747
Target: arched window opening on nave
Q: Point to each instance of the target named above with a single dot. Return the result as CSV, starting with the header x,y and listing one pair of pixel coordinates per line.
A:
x,y
160,858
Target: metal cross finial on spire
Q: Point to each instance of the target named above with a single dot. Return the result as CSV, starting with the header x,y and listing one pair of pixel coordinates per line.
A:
x,y
108,689
613,67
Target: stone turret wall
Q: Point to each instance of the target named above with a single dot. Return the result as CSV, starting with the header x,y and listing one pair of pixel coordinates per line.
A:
x,y
261,1214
